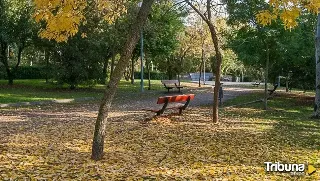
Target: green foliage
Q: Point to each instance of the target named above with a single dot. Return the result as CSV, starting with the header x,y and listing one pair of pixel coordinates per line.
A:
x,y
290,52
161,35
75,63
153,75
16,31
27,72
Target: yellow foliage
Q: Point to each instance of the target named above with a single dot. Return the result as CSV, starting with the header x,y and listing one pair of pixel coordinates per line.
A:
x,y
63,18
287,10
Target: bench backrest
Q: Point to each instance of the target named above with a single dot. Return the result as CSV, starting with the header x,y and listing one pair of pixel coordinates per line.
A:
x,y
179,98
170,81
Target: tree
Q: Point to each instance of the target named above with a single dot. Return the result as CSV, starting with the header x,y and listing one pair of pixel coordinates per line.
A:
x,y
207,17
61,32
254,44
288,11
15,33
126,53
161,34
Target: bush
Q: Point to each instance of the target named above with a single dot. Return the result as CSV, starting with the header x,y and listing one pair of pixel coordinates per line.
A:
x,y
27,72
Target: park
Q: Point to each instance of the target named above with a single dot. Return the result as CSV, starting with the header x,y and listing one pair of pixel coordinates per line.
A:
x,y
159,90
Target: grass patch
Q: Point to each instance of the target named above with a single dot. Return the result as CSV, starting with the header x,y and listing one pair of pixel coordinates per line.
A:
x,y
37,90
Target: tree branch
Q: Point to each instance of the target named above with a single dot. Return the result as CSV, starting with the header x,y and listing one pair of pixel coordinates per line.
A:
x,y
209,9
197,10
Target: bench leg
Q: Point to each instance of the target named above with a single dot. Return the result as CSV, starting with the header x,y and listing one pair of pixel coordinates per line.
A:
x,y
180,111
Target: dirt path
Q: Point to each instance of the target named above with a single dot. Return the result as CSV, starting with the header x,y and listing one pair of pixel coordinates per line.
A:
x,y
203,97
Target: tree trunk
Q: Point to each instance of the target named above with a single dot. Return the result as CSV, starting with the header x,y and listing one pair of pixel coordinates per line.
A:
x,y
316,113
132,69
287,83
149,74
46,58
207,17
200,73
112,62
169,69
266,80
218,71
4,60
126,53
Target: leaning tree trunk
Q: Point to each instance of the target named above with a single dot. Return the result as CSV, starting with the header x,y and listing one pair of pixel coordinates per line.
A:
x,y
316,113
126,53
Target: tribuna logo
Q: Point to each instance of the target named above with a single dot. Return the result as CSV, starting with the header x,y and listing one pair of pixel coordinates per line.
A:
x,y
287,167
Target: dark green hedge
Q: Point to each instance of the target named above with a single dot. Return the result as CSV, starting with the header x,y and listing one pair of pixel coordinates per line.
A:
x,y
27,72
38,72
153,75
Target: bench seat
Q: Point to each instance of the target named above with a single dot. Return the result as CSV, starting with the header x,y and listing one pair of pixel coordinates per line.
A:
x,y
169,99
170,84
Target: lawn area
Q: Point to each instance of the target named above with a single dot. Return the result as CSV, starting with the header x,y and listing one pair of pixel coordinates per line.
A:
x,y
54,142
38,90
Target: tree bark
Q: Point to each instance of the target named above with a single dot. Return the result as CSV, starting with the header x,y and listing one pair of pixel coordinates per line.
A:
x,y
316,113
218,72
126,53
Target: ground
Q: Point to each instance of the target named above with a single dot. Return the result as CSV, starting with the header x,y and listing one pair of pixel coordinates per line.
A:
x,y
53,142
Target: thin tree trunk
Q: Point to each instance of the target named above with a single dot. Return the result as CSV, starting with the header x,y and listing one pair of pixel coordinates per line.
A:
x,y
316,113
149,79
126,53
4,60
207,17
133,60
149,74
266,80
218,72
169,69
46,58
200,73
287,83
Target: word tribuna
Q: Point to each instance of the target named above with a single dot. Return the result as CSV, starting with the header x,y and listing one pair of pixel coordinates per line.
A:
x,y
287,167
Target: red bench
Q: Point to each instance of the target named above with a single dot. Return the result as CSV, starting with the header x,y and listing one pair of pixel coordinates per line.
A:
x,y
167,99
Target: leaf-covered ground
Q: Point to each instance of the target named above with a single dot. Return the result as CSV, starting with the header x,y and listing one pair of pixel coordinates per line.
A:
x,y
54,143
